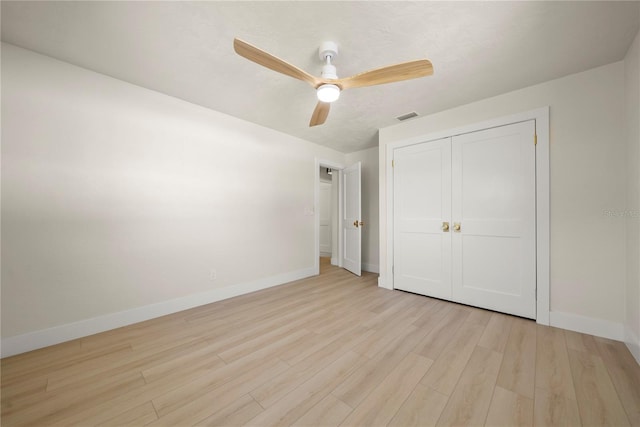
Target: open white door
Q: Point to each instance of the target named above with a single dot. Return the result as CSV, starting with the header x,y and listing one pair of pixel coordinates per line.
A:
x,y
352,219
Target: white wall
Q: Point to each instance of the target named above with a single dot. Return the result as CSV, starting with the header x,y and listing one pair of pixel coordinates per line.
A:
x,y
117,202
587,158
370,188
632,92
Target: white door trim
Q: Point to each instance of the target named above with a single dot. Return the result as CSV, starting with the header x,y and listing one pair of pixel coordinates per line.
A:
x,y
316,202
325,209
541,117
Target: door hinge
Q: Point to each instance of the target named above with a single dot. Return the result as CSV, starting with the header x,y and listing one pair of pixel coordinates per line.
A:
x,y
535,139
393,163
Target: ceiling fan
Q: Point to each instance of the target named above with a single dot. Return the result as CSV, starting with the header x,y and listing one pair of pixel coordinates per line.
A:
x,y
328,86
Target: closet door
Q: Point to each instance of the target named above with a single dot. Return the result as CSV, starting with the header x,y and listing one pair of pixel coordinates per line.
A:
x,y
493,202
421,205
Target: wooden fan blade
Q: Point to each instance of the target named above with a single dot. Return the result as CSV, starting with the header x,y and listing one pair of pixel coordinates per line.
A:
x,y
274,63
320,114
392,73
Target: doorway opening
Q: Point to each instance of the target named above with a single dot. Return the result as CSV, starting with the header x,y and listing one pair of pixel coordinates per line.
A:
x,y
346,252
328,205
327,212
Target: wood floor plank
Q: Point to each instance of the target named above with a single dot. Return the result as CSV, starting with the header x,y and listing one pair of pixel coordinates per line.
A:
x,y
241,335
358,385
330,411
381,339
39,367
434,309
284,335
179,397
580,342
129,398
80,390
249,313
445,372
313,343
58,405
518,368
440,333
509,409
278,387
404,306
341,316
553,372
128,362
469,402
379,407
496,333
236,414
624,372
552,410
206,404
186,363
138,416
421,409
141,334
20,391
387,303
477,315
29,363
299,401
598,401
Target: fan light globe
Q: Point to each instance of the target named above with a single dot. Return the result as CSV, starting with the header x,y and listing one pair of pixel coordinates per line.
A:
x,y
328,93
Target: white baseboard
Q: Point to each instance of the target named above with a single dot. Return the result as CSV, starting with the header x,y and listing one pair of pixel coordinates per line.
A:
x,y
587,325
372,268
633,344
34,340
334,261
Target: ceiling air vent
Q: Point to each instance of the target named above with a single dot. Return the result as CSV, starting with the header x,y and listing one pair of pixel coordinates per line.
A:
x,y
407,116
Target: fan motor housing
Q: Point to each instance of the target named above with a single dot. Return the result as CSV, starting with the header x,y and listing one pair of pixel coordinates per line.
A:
x,y
329,72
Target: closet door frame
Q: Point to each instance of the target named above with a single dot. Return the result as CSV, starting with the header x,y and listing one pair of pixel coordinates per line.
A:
x,y
541,118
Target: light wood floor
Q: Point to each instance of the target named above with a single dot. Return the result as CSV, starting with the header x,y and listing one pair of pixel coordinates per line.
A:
x,y
330,350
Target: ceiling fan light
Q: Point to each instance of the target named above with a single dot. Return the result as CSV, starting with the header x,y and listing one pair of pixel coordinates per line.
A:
x,y
328,93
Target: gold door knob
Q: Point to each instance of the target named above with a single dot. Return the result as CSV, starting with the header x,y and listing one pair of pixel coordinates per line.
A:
x,y
456,227
355,223
445,227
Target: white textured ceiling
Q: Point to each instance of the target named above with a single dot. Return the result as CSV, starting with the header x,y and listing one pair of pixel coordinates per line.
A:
x,y
184,49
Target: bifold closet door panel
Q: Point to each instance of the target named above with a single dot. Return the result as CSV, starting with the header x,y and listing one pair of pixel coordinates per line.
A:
x,y
422,203
493,219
